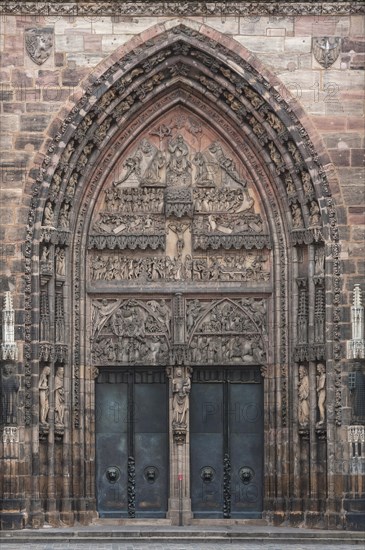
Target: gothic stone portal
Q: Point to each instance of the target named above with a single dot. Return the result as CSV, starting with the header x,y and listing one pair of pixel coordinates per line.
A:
x,y
178,278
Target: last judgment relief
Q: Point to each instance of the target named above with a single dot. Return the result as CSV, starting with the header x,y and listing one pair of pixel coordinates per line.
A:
x,y
179,212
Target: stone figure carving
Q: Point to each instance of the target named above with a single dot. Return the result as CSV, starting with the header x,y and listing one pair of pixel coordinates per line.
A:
x,y
319,257
178,166
64,217
60,262
307,184
193,311
245,266
59,405
43,388
321,393
303,395
290,187
202,176
296,216
181,386
161,311
48,218
179,229
315,214
100,311
9,395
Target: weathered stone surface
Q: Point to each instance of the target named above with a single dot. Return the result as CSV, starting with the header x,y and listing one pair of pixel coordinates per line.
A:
x,y
38,105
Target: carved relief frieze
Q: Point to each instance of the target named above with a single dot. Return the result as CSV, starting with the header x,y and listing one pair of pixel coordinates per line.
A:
x,y
221,9
244,266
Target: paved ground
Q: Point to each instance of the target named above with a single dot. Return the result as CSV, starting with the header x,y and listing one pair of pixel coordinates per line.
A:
x,y
183,546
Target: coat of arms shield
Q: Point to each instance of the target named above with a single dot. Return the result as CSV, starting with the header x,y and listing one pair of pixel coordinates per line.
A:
x,y
38,44
326,50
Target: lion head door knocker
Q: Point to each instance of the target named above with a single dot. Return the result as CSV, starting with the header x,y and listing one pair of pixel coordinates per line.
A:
x,y
38,44
112,474
246,474
150,474
207,474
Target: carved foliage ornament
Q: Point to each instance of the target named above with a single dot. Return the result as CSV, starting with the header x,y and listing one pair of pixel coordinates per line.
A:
x,y
38,44
147,8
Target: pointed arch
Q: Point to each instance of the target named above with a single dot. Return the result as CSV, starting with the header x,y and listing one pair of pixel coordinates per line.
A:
x,y
222,84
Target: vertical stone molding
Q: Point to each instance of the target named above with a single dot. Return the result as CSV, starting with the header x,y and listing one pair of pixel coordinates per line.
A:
x,y
356,346
9,349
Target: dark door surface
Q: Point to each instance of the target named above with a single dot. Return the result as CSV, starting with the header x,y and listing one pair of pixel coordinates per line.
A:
x,y
226,436
131,443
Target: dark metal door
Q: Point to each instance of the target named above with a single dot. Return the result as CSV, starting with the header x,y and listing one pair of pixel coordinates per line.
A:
x,y
131,443
226,425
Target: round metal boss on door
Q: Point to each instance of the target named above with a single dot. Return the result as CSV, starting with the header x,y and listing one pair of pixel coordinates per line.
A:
x,y
112,474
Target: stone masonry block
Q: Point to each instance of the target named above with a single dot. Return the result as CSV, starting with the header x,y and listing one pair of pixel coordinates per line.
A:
x,y
64,24
357,157
301,44
340,158
226,25
129,25
112,42
287,61
357,25
354,195
262,44
47,77
92,43
352,45
69,43
34,123
260,25
86,59
21,77
9,123
343,141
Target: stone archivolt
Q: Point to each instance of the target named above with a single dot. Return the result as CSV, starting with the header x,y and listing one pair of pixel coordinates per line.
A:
x,y
226,213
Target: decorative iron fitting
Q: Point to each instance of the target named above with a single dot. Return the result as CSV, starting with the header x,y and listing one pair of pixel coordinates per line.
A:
x,y
131,487
226,486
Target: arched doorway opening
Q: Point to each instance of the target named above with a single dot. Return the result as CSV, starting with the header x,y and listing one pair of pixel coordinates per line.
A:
x,y
183,227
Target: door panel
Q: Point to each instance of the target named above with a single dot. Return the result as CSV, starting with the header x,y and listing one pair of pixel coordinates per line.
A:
x,y
226,421
246,443
151,450
111,448
206,447
132,423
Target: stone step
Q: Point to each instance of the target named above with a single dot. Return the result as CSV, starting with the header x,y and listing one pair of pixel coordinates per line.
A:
x,y
105,531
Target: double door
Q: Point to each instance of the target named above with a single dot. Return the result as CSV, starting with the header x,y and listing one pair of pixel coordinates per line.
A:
x,y
131,443
226,442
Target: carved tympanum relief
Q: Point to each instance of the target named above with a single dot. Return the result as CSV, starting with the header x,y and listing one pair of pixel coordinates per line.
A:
x,y
130,331
220,331
183,210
